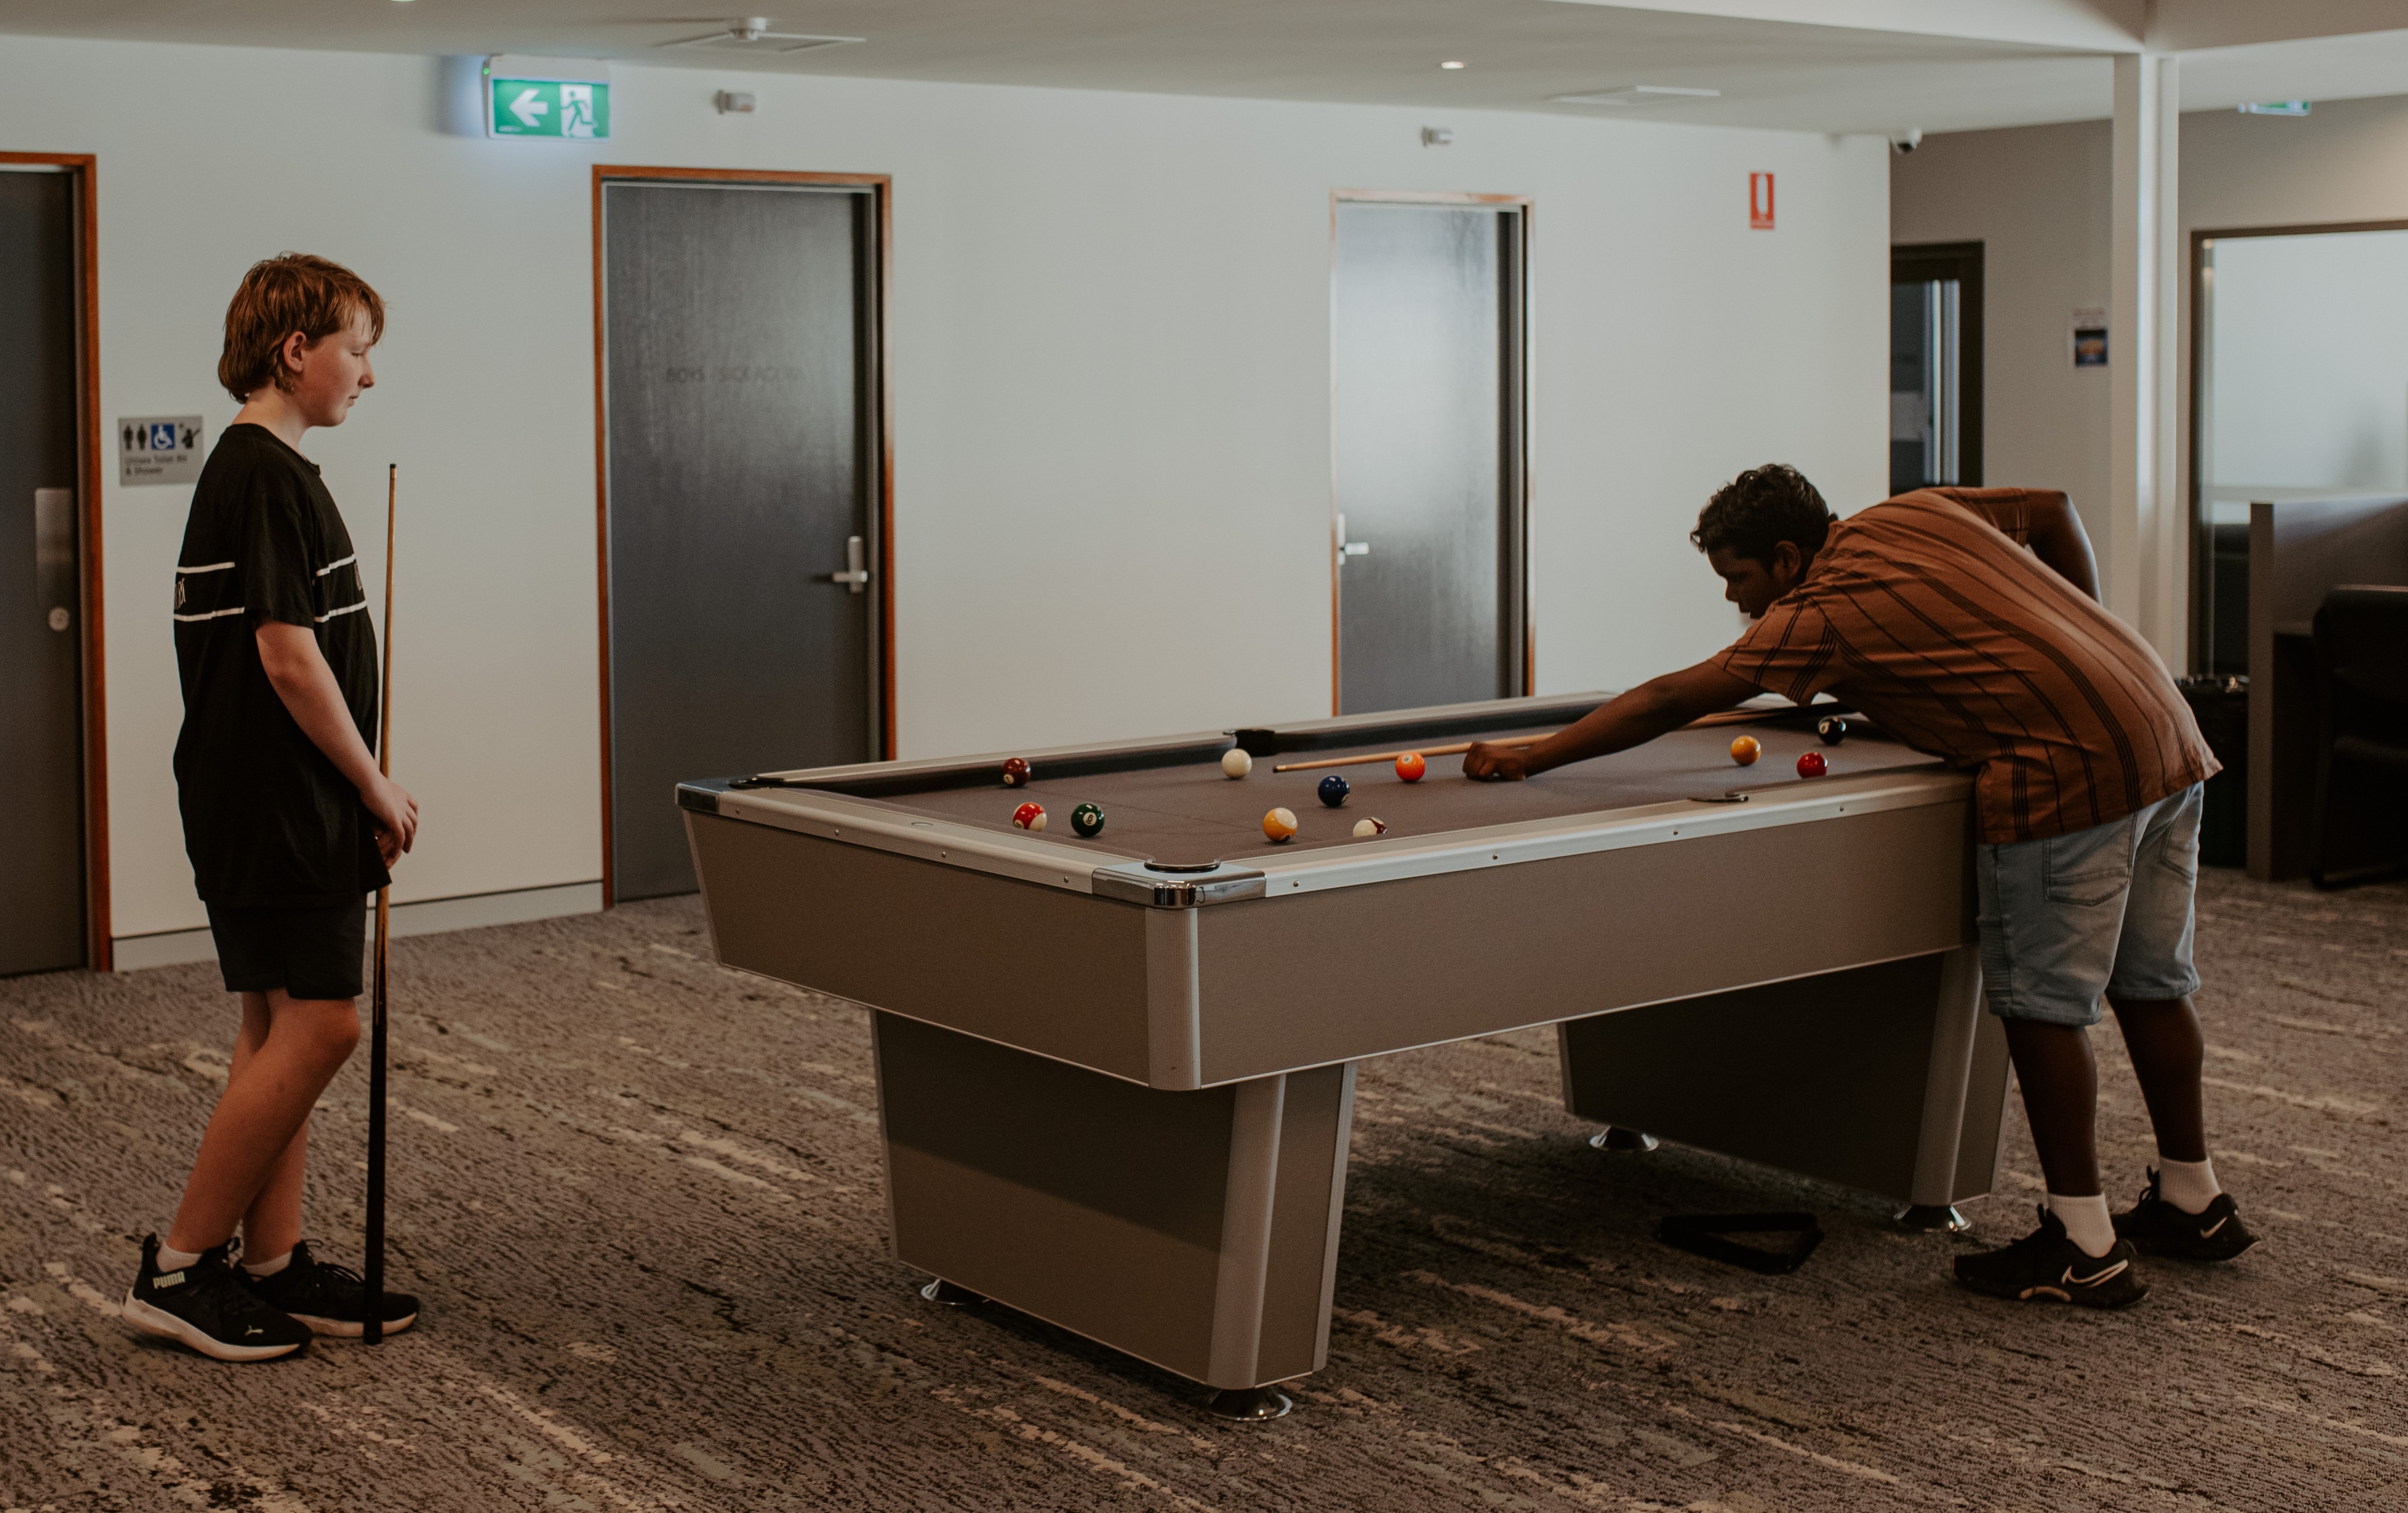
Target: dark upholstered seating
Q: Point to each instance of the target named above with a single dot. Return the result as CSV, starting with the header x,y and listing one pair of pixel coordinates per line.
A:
x,y
2363,731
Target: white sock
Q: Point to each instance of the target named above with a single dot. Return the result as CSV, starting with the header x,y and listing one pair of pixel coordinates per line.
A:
x,y
176,1259
2085,1221
2188,1184
268,1268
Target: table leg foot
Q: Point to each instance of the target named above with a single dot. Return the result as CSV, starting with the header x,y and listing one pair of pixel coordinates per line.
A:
x,y
1934,1218
1250,1404
942,1290
1614,1137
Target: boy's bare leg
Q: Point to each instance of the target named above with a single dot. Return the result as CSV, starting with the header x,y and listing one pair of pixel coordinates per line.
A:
x,y
2060,1079
2169,1053
272,1226
256,1134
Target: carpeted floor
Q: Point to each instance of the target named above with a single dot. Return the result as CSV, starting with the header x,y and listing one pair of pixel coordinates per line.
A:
x,y
640,1196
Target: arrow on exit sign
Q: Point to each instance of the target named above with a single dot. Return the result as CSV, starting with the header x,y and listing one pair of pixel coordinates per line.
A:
x,y
550,108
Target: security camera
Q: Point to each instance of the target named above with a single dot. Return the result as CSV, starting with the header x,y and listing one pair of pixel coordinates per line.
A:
x,y
1906,141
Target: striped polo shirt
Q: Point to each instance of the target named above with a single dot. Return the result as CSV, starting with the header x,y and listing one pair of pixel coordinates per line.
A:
x,y
1951,637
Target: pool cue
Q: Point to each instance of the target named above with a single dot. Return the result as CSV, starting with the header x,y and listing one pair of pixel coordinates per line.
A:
x,y
1726,717
372,1327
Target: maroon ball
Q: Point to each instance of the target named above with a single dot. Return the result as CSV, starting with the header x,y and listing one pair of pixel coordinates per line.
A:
x,y
1015,772
1812,765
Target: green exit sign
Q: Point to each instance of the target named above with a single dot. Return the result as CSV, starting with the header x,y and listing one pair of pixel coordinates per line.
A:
x,y
531,97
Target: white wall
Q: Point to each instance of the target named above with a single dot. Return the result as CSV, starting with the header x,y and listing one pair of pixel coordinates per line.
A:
x,y
2038,198
1111,390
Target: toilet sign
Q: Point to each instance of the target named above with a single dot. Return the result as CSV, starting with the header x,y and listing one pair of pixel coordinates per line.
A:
x,y
158,448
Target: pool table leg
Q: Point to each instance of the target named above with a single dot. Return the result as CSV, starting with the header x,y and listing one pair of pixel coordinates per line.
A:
x,y
1197,1231
1885,1078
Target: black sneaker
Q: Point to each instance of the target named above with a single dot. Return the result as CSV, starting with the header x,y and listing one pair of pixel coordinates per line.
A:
x,y
202,1306
329,1299
2160,1229
2045,1267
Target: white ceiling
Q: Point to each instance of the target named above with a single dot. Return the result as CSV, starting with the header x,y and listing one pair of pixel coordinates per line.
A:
x,y
1889,65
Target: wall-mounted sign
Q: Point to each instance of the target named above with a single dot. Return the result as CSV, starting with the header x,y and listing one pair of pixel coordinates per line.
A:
x,y
2090,338
158,448
1760,202
565,99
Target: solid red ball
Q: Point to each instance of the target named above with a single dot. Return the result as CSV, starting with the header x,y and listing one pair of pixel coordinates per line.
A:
x,y
1812,765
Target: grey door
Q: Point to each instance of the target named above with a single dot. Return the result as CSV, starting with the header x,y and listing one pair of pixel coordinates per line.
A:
x,y
41,704
741,412
1427,406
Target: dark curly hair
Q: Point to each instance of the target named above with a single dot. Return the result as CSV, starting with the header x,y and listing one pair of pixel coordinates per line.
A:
x,y
1756,511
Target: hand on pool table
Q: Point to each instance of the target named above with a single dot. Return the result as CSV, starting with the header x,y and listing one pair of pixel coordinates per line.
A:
x,y
1655,707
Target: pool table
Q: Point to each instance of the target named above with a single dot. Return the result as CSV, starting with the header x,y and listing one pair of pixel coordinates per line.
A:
x,y
1116,1074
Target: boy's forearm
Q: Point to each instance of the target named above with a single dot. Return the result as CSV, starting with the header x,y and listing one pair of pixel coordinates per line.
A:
x,y
300,674
1655,707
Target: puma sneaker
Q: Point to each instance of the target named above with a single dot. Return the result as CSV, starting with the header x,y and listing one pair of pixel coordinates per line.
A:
x,y
202,1307
327,1298
2158,1228
2044,1266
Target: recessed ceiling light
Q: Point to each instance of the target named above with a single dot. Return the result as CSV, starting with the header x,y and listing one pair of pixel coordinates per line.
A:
x,y
1450,64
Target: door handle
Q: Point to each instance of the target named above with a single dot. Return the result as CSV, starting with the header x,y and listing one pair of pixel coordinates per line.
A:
x,y
856,572
1349,549
55,554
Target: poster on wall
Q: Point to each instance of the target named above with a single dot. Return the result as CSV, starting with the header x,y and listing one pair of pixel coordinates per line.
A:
x,y
2090,338
1760,202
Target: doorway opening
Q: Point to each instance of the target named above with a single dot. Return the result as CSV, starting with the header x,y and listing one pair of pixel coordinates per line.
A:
x,y
54,887
746,452
1935,365
1429,429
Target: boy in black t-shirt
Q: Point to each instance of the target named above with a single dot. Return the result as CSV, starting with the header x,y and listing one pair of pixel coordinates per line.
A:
x,y
288,823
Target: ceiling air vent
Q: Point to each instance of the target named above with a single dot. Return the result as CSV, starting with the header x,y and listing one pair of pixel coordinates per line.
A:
x,y
1628,95
752,35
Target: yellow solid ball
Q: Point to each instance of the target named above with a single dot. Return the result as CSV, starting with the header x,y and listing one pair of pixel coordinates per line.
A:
x,y
1746,749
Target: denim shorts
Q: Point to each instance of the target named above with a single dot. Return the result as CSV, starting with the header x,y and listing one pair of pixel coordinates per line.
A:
x,y
2106,909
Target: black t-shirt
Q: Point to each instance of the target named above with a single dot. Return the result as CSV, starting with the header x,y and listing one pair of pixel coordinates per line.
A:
x,y
268,821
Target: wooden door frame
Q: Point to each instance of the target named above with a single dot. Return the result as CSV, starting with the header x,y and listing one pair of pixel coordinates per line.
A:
x,y
1525,209
83,170
882,188
2203,530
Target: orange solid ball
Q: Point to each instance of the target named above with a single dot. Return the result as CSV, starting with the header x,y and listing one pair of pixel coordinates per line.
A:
x,y
1746,749
1410,766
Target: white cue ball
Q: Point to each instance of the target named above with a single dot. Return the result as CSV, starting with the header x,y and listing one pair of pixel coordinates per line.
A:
x,y
1236,762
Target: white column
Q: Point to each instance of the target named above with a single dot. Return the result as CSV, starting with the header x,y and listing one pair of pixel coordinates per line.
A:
x,y
2148,537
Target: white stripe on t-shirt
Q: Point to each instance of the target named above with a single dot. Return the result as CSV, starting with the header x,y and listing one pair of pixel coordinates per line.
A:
x,y
216,614
207,567
331,566
345,610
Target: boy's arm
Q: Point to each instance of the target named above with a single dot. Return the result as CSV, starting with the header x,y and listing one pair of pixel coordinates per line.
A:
x,y
299,673
1655,707
2044,520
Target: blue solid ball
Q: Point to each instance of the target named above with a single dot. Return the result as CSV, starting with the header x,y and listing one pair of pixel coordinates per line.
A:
x,y
1334,790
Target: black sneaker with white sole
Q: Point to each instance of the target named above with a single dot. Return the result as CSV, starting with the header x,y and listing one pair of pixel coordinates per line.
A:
x,y
202,1306
329,1299
2158,1228
2045,1267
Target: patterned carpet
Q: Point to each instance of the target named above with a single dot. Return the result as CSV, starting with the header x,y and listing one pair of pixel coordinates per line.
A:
x,y
640,1196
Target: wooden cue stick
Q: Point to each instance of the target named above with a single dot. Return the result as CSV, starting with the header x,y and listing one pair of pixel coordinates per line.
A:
x,y
1726,717
372,1327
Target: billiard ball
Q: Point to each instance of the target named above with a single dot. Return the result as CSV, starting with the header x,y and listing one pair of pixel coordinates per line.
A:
x,y
1237,762
1812,765
1832,729
1334,790
1030,816
1015,772
1410,766
1746,749
1368,828
1280,824
1086,819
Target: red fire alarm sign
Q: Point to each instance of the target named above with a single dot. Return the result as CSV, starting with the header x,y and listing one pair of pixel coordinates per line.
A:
x,y
1760,202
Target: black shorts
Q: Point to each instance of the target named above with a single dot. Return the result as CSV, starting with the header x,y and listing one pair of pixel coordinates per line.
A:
x,y
309,953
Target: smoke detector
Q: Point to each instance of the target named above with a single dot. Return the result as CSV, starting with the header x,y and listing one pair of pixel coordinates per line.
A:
x,y
1627,95
752,35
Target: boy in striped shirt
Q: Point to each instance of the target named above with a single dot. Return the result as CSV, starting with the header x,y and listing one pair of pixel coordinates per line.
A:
x,y
287,820
1966,622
